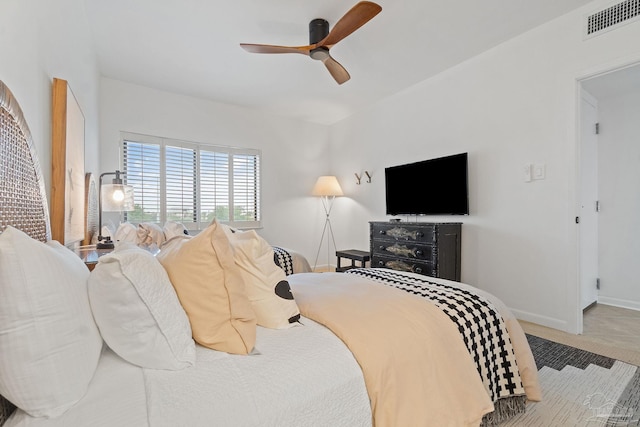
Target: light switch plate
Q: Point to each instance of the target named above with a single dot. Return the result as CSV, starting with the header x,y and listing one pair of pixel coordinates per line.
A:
x,y
526,169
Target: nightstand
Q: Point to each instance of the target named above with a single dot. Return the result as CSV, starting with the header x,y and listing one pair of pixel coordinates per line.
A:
x,y
90,255
354,255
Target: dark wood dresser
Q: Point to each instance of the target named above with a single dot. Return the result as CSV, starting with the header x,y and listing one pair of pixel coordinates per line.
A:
x,y
428,248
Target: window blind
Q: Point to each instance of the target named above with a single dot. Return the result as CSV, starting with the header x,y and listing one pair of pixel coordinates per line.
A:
x,y
191,183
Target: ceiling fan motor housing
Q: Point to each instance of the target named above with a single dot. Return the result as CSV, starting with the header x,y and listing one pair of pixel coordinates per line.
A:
x,y
318,30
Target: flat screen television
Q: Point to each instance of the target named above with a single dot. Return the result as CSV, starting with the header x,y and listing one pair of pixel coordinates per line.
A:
x,y
430,187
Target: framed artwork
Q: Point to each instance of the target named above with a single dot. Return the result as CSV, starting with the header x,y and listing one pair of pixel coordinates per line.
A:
x,y
67,167
91,210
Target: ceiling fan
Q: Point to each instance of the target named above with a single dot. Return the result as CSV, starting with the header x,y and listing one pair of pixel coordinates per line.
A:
x,y
321,39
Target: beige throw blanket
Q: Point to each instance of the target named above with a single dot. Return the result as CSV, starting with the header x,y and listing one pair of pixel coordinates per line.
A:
x,y
416,368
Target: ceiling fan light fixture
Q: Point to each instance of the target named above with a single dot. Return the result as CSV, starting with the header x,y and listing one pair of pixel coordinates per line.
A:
x,y
319,53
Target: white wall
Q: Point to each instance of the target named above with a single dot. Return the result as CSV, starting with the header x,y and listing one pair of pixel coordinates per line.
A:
x,y
512,105
619,191
294,153
40,40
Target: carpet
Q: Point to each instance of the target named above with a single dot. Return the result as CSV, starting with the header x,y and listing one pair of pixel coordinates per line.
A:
x,y
581,388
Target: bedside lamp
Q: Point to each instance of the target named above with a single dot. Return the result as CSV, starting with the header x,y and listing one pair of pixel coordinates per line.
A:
x,y
327,188
114,197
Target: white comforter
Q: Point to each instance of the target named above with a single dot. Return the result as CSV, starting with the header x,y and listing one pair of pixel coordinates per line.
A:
x,y
303,376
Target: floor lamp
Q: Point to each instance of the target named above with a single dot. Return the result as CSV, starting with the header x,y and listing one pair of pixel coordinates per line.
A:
x,y
327,188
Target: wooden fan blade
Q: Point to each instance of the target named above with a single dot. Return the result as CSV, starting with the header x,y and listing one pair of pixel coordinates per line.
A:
x,y
267,48
355,18
337,71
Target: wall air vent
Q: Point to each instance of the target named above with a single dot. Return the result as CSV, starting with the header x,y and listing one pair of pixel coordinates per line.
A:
x,y
612,17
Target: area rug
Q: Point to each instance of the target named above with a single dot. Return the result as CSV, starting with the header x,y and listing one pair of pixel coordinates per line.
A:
x,y
581,389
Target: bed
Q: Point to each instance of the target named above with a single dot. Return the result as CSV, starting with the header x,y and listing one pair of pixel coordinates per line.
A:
x,y
145,340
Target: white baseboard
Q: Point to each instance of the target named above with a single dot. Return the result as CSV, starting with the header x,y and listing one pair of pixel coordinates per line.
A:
x,y
549,322
616,302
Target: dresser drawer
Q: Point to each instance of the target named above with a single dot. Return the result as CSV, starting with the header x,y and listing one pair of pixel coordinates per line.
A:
x,y
420,267
403,249
429,248
404,232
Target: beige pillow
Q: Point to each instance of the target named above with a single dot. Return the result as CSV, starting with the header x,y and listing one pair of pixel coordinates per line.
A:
x,y
265,283
149,234
210,289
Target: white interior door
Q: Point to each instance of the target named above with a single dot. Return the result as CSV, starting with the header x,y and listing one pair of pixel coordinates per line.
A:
x,y
588,198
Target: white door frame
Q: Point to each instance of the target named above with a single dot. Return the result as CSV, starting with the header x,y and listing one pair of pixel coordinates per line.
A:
x,y
588,227
574,323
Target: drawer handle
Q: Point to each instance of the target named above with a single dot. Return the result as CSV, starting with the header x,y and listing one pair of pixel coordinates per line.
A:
x,y
418,270
419,234
383,232
419,252
381,247
381,263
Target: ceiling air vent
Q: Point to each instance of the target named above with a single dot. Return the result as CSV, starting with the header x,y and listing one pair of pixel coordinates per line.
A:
x,y
612,17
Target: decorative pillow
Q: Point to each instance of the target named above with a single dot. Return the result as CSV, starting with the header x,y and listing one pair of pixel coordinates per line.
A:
x,y
210,289
49,340
172,241
150,234
126,232
265,283
173,229
138,312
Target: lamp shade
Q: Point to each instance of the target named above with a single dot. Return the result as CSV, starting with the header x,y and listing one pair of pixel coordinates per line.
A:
x,y
117,197
327,186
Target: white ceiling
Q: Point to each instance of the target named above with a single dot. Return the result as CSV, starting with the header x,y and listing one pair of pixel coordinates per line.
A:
x,y
192,47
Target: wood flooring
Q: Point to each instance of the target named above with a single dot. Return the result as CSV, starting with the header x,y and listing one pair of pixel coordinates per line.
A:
x,y
607,330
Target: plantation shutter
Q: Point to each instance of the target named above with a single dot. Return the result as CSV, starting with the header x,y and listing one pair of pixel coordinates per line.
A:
x,y
141,164
246,170
214,186
180,185
191,183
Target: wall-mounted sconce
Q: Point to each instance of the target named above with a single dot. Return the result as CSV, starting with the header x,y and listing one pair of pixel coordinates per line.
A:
x,y
359,178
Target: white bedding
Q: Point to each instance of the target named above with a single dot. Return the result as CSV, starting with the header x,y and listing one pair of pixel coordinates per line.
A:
x,y
266,389
115,398
229,390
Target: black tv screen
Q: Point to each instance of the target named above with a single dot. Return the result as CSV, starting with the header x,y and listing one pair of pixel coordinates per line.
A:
x,y
430,187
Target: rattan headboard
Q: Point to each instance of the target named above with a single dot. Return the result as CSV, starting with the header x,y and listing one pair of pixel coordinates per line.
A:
x,y
23,200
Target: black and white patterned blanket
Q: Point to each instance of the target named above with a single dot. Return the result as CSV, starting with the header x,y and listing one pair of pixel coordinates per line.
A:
x,y
283,259
481,326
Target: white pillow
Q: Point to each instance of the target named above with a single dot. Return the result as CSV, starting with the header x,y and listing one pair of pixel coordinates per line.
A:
x,y
138,312
265,283
173,229
126,232
49,340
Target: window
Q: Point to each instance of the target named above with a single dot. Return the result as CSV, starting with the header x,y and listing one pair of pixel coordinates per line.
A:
x,y
191,183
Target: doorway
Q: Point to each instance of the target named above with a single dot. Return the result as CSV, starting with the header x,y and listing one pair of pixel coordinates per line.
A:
x,y
610,189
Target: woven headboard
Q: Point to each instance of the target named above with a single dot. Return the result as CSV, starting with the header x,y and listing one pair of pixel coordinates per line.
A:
x,y
23,200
